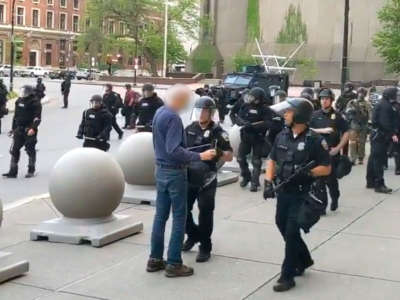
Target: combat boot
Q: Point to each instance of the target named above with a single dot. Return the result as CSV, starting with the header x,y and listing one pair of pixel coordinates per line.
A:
x,y
31,172
284,285
245,181
203,256
188,244
253,188
178,271
383,189
13,172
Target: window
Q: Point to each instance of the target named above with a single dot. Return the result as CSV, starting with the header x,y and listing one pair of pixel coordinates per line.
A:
x,y
63,21
50,19
2,13
35,18
50,2
62,60
48,58
49,46
111,27
20,16
75,23
76,4
63,3
63,44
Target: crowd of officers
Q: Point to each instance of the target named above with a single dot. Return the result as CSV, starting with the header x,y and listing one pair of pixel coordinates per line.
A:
x,y
304,141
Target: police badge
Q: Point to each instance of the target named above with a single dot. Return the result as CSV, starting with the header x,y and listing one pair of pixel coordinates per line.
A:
x,y
206,133
301,146
333,116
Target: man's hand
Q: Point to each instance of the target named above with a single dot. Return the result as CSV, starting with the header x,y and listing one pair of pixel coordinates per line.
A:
x,y
208,155
269,192
31,132
395,139
334,151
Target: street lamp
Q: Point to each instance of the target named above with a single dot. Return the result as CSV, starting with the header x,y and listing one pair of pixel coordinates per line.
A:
x,y
12,46
345,71
165,39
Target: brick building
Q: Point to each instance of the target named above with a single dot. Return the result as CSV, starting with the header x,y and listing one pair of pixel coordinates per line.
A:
x,y
45,31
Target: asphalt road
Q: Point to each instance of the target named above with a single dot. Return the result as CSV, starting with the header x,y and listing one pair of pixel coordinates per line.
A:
x,y
56,137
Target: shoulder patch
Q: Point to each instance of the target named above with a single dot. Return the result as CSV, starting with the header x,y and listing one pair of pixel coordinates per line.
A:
x,y
324,144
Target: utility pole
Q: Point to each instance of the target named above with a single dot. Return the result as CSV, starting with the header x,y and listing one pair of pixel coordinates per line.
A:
x,y
165,39
136,60
12,46
345,69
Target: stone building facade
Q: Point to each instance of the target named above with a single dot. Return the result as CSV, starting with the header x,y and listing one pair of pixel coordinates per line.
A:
x,y
45,31
323,21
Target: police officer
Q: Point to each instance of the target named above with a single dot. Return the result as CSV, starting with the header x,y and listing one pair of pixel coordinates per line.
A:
x,y
40,89
396,146
295,147
358,113
334,128
280,96
95,126
65,90
144,111
201,135
27,117
384,130
113,102
255,118
348,95
221,102
308,93
3,101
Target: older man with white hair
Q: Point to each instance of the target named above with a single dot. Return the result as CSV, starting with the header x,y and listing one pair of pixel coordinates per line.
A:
x,y
171,179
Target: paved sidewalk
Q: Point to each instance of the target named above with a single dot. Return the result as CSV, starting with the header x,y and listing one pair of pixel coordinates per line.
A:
x,y
356,252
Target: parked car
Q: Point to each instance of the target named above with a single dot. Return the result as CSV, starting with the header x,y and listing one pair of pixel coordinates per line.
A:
x,y
35,72
5,70
83,74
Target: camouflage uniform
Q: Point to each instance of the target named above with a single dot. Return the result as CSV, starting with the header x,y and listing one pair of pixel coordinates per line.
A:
x,y
358,113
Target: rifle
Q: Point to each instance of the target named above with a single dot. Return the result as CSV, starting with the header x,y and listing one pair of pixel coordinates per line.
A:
x,y
310,165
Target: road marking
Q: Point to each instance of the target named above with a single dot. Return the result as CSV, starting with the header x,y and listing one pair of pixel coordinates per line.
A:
x,y
24,201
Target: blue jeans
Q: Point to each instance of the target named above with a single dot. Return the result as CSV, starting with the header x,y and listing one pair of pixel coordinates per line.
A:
x,y
171,192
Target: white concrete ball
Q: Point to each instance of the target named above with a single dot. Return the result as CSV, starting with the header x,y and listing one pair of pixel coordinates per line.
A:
x,y
137,159
234,137
86,183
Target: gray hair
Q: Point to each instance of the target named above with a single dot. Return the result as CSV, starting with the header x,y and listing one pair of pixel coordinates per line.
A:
x,y
175,90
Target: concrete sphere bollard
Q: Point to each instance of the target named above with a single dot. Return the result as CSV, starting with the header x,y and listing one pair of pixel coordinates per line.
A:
x,y
234,137
86,183
137,159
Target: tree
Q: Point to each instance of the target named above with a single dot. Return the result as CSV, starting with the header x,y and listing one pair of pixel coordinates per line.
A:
x,y
387,40
144,23
294,31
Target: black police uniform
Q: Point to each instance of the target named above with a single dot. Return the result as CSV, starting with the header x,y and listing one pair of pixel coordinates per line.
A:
x,y
95,128
65,89
112,101
144,111
27,115
333,119
39,90
205,195
384,127
396,146
3,102
220,101
252,137
344,99
289,153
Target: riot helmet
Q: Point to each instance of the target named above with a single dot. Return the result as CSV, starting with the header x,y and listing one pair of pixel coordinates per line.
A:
x,y
255,96
326,93
96,101
39,80
280,96
148,90
348,87
362,92
390,94
204,110
27,91
308,94
302,108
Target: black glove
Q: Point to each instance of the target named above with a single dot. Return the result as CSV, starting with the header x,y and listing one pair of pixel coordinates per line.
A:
x,y
79,137
269,192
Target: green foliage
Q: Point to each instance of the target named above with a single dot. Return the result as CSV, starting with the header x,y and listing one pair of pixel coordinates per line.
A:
x,y
12,95
387,40
253,20
294,31
203,58
242,59
145,27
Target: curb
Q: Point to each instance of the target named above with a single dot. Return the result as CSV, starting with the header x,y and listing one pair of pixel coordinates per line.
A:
x,y
24,201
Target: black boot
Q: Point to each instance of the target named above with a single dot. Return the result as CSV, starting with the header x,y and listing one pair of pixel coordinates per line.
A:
x,y
383,189
245,181
284,285
334,204
31,172
203,256
13,172
189,244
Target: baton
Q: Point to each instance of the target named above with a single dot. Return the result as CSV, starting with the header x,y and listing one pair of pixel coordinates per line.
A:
x,y
197,147
295,174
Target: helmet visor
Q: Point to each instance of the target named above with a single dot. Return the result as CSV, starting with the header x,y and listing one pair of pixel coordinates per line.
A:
x,y
25,92
281,108
204,115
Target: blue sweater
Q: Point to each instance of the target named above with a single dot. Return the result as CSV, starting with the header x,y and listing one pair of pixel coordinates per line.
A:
x,y
169,140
